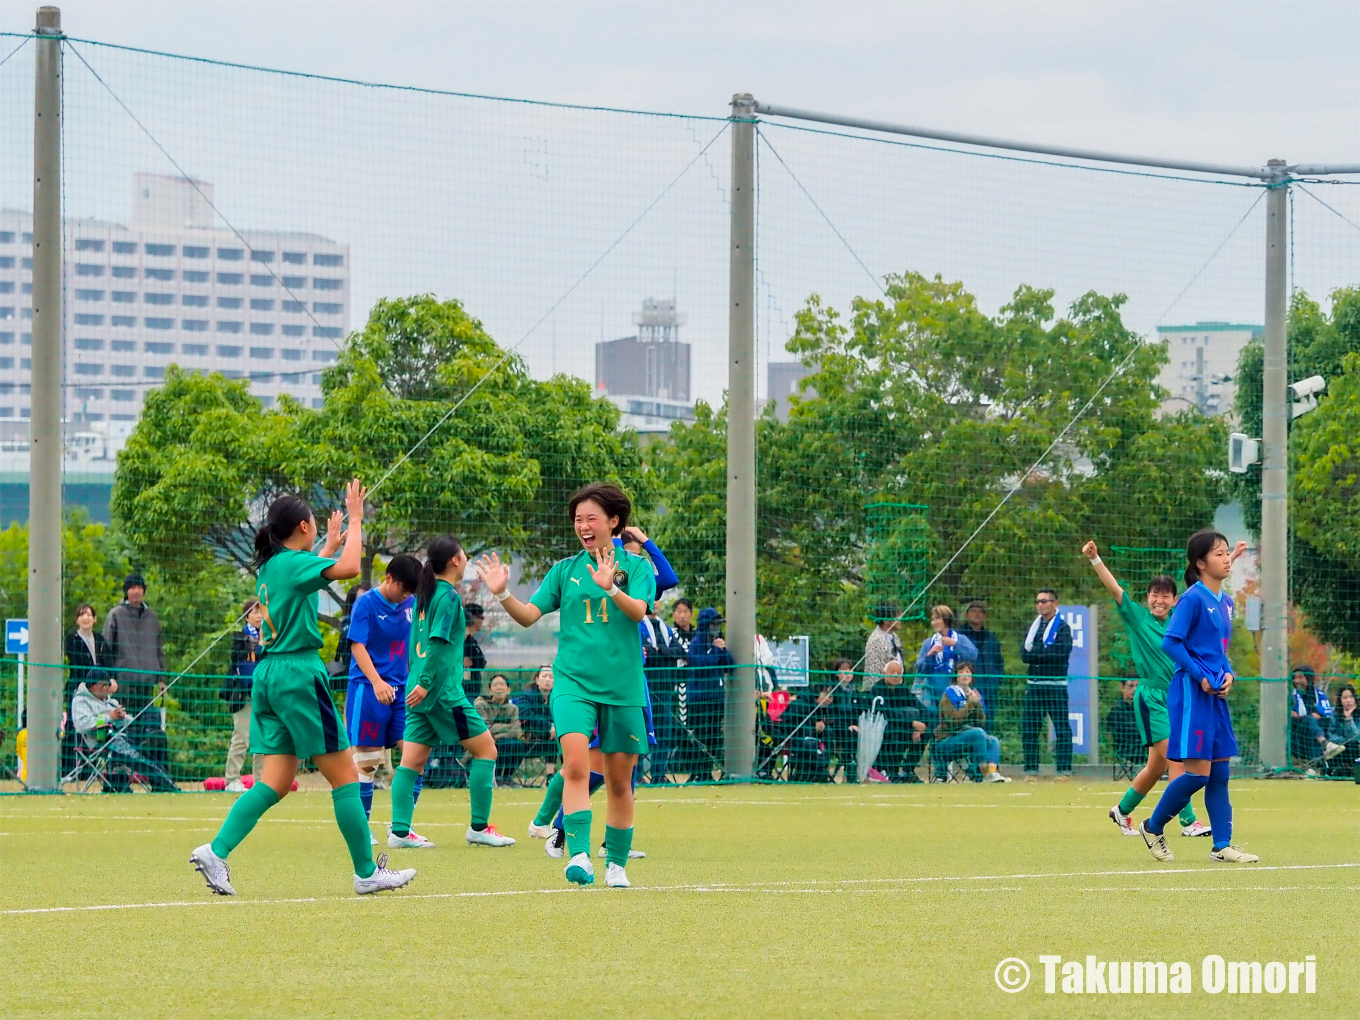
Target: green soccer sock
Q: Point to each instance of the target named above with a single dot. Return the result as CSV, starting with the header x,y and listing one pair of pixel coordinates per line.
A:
x,y
617,843
247,810
552,801
349,815
481,788
1187,815
578,832
1131,799
403,799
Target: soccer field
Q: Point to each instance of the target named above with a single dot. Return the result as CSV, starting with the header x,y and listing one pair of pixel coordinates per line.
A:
x,y
754,901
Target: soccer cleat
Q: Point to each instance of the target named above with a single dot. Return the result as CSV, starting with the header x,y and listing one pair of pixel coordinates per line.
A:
x,y
1156,843
1233,855
616,877
995,776
213,869
1197,828
580,870
235,786
1332,750
540,831
633,855
1125,823
383,879
488,837
557,844
411,841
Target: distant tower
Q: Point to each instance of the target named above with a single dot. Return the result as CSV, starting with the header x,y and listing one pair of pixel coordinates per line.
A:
x,y
648,375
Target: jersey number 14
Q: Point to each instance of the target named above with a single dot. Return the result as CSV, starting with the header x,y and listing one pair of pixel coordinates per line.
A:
x,y
604,610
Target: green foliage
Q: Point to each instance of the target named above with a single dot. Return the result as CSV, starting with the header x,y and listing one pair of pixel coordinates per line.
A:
x,y
94,568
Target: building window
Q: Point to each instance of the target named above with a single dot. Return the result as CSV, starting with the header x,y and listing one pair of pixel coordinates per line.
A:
x,y
261,376
230,279
7,411
25,288
26,313
81,294
125,272
261,256
327,307
295,282
262,352
230,302
159,274
25,263
6,261
124,297
293,377
228,351
7,387
88,244
123,370
26,363
6,311
89,393
320,259
293,330
267,401
327,283
6,237
6,338
261,280
122,395
123,345
87,368
85,319
231,254
229,326
259,304
194,252
262,329
87,269
291,354
122,417
153,371
294,306
195,276
124,320
324,356
318,402
26,338
7,287
89,343
326,333
232,373
295,258
159,299
196,350
130,248
194,300
194,325
6,363
159,323
160,250
159,347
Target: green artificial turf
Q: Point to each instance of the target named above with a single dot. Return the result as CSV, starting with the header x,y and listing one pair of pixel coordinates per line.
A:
x,y
759,901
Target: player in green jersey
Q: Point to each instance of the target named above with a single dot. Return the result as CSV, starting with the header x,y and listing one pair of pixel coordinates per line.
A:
x,y
602,594
292,715
1146,627
437,709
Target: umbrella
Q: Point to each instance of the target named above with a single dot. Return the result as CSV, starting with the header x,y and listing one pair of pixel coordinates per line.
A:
x,y
871,726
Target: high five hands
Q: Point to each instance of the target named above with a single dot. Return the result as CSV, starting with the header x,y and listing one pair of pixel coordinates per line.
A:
x,y
602,571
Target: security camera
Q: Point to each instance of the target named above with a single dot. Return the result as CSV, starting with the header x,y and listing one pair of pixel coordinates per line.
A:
x,y
1305,392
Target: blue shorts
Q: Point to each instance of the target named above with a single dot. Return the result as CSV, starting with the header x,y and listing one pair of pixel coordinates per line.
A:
x,y
370,723
1201,726
647,717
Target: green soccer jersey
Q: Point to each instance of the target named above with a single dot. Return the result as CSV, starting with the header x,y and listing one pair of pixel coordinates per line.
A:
x,y
599,651
1155,668
286,587
435,651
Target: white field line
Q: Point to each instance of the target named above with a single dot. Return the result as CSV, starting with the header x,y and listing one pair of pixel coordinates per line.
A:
x,y
801,887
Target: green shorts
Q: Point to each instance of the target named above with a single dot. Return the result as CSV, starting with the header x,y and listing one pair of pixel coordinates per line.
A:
x,y
291,711
622,728
450,720
1149,712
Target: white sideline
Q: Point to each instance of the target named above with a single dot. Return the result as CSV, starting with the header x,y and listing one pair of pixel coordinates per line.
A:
x,y
803,886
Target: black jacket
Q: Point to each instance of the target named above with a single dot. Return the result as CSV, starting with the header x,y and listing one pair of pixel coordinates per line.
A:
x,y
1048,660
534,718
1123,730
83,665
475,662
245,653
990,662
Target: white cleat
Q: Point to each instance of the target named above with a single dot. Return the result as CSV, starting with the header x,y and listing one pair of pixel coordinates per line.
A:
x,y
1125,823
213,869
541,831
616,877
580,871
488,837
235,786
1233,855
1197,828
556,847
383,879
633,855
411,841
1156,844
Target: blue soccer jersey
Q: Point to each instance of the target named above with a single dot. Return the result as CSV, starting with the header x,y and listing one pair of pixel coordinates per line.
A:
x,y
383,629
1197,642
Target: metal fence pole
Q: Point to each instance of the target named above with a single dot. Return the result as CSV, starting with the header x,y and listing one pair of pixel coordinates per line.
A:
x,y
1275,481
739,719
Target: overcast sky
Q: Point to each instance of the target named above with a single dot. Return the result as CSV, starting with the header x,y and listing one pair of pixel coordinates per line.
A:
x,y
1226,82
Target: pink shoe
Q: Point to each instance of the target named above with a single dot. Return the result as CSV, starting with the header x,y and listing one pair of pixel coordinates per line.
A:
x,y
875,776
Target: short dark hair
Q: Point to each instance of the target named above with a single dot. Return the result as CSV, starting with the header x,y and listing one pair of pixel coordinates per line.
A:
x,y
840,664
682,602
473,609
610,498
1048,591
405,570
885,612
1162,582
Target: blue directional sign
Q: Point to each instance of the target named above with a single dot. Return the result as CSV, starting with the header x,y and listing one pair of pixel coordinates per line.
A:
x,y
16,637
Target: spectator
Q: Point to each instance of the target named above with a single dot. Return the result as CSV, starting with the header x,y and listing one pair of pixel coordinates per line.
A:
x,y
86,651
474,660
960,732
941,654
709,661
991,664
1310,713
1343,730
673,690
905,738
502,719
1122,725
882,647
132,631
535,720
101,722
660,653
245,652
1046,649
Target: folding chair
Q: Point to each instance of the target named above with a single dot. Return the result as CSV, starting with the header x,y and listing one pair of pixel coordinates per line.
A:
x,y
94,764
1123,768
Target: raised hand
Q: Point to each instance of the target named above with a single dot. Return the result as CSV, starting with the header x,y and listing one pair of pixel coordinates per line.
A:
x,y
354,501
635,535
335,534
1238,550
602,571
494,573
1089,550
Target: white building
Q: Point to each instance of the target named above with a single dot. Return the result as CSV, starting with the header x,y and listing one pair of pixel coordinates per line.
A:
x,y
1201,366
174,288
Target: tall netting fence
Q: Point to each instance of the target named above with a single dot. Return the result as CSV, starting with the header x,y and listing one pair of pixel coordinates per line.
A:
x,y
969,366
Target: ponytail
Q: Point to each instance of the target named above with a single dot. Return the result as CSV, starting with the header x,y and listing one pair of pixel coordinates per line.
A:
x,y
1199,546
283,518
437,556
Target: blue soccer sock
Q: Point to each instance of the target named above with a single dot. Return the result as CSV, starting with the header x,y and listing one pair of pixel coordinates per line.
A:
x,y
366,794
596,781
420,785
1217,802
1177,794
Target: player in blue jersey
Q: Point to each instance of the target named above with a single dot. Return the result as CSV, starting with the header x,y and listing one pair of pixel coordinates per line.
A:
x,y
375,705
1202,737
